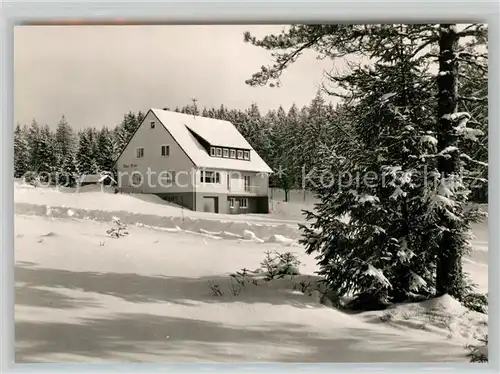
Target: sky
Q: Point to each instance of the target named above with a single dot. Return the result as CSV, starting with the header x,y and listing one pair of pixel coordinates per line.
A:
x,y
93,75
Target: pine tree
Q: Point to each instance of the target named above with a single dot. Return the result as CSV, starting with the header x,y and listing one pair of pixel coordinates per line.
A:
x,y
46,155
314,133
380,253
441,210
69,174
126,129
222,113
139,118
473,99
93,136
85,160
282,152
454,215
21,152
33,140
105,157
64,141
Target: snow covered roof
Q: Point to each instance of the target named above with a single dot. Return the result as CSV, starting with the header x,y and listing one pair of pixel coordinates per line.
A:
x,y
216,133
95,178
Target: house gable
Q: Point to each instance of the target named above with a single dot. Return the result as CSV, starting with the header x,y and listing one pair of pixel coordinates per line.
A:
x,y
154,160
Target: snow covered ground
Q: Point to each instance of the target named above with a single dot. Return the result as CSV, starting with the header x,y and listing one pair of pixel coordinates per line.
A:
x,y
82,296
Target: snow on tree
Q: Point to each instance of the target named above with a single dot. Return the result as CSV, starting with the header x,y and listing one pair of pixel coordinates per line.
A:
x,y
46,155
380,253
454,216
33,139
86,163
69,174
473,99
434,216
314,133
21,151
64,141
104,146
126,129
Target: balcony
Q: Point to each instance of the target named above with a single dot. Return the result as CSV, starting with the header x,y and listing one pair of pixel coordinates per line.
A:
x,y
248,190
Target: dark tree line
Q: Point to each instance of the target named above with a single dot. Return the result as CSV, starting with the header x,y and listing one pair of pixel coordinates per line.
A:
x,y
61,155
288,140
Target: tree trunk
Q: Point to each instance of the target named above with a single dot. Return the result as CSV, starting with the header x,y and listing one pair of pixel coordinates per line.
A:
x,y
449,264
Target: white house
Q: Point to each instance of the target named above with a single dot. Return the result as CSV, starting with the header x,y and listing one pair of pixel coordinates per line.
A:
x,y
201,163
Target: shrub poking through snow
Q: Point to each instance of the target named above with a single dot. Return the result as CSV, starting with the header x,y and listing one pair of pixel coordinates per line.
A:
x,y
242,277
305,287
119,230
238,281
216,291
236,286
476,302
277,265
478,353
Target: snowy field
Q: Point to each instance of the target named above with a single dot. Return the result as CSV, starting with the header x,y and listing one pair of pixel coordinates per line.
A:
x,y
82,296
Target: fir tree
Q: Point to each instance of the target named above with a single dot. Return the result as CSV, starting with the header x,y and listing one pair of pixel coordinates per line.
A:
x,y
105,159
46,155
446,219
282,152
85,161
33,140
64,141
314,133
69,175
473,99
126,129
21,152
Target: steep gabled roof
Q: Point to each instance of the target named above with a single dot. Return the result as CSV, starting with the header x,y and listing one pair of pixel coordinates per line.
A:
x,y
217,133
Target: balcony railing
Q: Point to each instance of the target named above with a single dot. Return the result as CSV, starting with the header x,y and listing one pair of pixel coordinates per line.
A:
x,y
257,190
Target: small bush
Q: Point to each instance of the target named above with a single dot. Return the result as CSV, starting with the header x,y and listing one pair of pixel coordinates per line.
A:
x,y
236,286
216,291
478,353
387,317
476,302
306,288
277,265
119,230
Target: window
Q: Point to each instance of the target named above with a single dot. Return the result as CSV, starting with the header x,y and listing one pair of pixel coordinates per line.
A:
x,y
233,153
152,124
212,151
246,155
231,202
139,152
244,203
247,183
210,177
228,182
240,155
165,150
136,179
225,153
167,177
218,152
